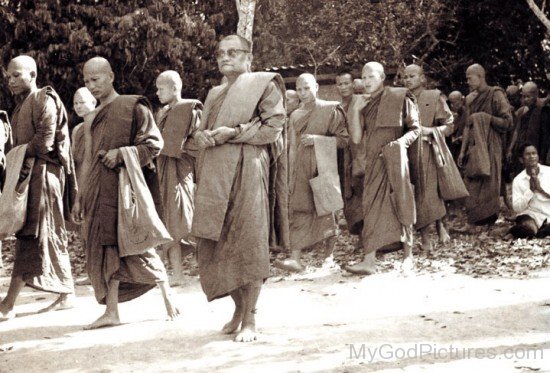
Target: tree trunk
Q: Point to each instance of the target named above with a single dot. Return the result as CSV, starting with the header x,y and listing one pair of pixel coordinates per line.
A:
x,y
539,13
246,18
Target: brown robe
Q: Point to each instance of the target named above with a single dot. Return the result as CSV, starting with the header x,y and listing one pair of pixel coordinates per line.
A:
x,y
176,173
323,118
234,215
433,111
127,121
484,200
41,255
388,116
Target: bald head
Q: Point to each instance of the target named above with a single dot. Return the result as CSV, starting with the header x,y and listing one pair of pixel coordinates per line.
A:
x,y
170,77
414,78
83,102
373,77
22,74
529,94
476,69
307,87
169,86
98,78
475,75
456,100
512,90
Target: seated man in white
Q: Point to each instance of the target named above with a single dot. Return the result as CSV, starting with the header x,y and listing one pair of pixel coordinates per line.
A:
x,y
531,196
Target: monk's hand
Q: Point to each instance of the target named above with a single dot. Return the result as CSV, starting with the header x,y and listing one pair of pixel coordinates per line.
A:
x,y
112,159
204,139
460,160
77,213
307,140
223,134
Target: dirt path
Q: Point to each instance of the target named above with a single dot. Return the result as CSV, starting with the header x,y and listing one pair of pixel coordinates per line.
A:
x,y
329,323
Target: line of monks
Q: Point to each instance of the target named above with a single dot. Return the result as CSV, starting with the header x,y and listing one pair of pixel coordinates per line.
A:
x,y
256,168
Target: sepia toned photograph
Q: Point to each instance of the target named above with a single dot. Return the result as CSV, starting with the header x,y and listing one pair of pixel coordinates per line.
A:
x,y
274,186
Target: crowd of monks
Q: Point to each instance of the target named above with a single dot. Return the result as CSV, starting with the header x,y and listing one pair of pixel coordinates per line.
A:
x,y
256,168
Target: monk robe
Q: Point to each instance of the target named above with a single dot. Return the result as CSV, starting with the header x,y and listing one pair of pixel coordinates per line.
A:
x,y
41,255
484,200
5,145
321,118
433,111
351,177
127,121
241,201
388,116
176,169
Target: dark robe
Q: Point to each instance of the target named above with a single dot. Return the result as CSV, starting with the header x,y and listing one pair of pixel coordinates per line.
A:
x,y
234,217
127,121
388,116
323,118
176,170
433,111
484,200
41,255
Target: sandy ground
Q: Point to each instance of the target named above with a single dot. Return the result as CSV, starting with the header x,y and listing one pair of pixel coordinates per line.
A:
x,y
319,322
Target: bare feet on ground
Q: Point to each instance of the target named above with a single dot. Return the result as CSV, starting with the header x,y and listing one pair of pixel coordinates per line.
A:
x,y
107,319
63,302
171,309
247,334
5,312
362,268
289,265
443,235
232,326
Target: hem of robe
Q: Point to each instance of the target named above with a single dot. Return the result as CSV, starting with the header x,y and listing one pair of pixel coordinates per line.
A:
x,y
312,229
34,284
406,237
437,215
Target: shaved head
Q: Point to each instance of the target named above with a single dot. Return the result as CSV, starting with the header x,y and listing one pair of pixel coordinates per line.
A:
x,y
306,77
414,68
307,87
98,65
529,94
170,77
530,87
414,78
455,95
24,62
456,101
476,69
85,94
375,67
512,90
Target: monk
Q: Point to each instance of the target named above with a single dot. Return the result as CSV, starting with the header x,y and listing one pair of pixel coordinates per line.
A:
x,y
314,120
241,198
358,87
176,167
292,101
352,179
386,119
513,94
434,114
121,121
41,256
489,118
532,126
457,105
5,145
84,104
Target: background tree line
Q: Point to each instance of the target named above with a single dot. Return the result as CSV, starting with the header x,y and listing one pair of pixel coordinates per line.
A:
x,y
141,38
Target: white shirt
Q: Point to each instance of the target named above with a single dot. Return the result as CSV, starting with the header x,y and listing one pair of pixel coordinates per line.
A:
x,y
527,202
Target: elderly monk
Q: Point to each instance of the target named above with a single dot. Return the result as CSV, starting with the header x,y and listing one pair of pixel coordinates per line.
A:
x,y
176,167
532,126
434,115
41,256
121,121
352,180
292,101
386,119
314,120
240,183
489,119
5,145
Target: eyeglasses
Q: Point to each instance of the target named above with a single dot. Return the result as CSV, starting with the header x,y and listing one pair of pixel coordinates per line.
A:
x,y
232,53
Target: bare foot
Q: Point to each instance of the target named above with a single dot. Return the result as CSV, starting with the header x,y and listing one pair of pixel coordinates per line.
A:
x,y
171,309
361,268
6,313
289,265
408,265
63,302
106,319
83,281
177,280
247,334
232,326
443,235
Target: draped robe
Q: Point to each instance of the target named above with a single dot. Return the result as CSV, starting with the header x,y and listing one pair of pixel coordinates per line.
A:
x,y
321,119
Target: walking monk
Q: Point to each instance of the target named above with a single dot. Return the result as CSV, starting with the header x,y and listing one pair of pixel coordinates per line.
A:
x,y
41,256
489,118
313,124
435,115
176,167
387,120
241,136
121,121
